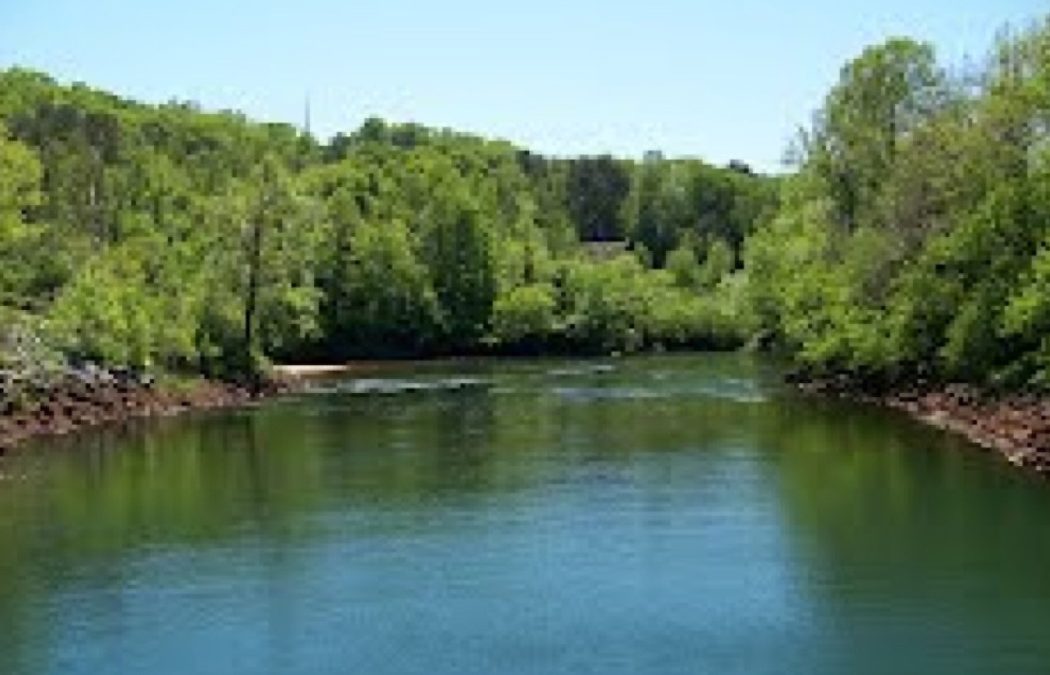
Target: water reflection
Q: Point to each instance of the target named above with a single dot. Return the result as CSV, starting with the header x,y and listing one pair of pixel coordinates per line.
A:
x,y
918,544
675,514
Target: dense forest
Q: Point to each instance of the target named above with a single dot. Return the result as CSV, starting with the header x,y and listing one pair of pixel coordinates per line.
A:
x,y
911,238
914,240
164,237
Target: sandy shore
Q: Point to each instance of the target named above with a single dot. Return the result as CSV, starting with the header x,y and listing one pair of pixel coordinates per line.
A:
x,y
302,371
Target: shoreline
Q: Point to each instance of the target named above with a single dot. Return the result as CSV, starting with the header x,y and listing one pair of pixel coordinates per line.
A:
x,y
76,405
97,397
305,371
1014,426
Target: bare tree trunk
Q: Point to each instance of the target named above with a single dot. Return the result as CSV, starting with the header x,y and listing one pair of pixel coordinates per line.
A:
x,y
252,299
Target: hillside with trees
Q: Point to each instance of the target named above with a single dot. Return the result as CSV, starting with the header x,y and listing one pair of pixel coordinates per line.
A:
x,y
163,237
911,241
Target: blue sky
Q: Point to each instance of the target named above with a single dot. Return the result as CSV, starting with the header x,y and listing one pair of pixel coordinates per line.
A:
x,y
719,79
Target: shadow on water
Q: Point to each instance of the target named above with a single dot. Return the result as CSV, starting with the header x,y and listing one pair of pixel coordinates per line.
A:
x,y
918,544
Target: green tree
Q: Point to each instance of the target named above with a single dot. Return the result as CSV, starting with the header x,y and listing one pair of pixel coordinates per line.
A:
x,y
20,175
881,97
524,319
459,256
598,188
390,295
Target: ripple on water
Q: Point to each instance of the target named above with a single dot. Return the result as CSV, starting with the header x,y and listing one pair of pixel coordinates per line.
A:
x,y
718,390
585,394
396,387
599,369
739,392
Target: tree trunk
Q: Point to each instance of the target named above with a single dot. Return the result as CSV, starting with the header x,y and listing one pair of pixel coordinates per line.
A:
x,y
252,299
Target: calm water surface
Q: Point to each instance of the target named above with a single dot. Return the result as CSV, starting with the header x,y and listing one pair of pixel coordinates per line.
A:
x,y
659,515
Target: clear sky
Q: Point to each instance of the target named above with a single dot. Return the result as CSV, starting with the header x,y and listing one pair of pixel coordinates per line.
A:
x,y
721,79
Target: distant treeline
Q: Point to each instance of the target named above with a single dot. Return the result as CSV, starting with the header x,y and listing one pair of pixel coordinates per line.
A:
x,y
170,238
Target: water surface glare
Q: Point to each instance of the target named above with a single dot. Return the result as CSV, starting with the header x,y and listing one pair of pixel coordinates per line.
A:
x,y
678,514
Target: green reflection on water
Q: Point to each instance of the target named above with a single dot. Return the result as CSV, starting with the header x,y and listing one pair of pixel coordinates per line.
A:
x,y
689,506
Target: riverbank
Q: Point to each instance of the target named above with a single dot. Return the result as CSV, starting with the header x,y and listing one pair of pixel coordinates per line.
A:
x,y
83,399
79,399
1017,426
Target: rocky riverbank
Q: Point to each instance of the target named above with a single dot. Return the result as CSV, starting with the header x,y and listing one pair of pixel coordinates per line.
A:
x,y
1016,426
79,399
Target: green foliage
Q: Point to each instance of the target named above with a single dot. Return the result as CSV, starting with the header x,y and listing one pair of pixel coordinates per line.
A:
x,y
658,198
914,237
459,253
392,300
164,237
607,305
128,308
525,318
598,189
619,306
675,202
684,267
881,97
20,175
717,264
1027,319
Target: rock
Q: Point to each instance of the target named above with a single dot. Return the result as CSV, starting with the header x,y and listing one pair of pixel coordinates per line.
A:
x,y
88,395
1016,426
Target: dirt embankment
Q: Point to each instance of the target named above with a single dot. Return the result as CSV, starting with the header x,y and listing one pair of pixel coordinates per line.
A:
x,y
77,402
1015,426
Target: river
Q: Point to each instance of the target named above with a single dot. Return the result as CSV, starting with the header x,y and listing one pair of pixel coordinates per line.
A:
x,y
672,514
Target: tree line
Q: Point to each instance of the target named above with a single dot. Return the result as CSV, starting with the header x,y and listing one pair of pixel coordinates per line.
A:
x,y
164,237
913,241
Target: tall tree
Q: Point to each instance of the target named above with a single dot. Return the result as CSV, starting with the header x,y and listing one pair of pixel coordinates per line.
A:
x,y
598,188
881,97
20,175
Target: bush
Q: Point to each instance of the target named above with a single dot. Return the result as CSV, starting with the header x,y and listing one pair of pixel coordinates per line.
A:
x,y
524,319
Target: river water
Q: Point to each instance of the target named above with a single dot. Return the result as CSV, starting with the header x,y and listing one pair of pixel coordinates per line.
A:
x,y
679,514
